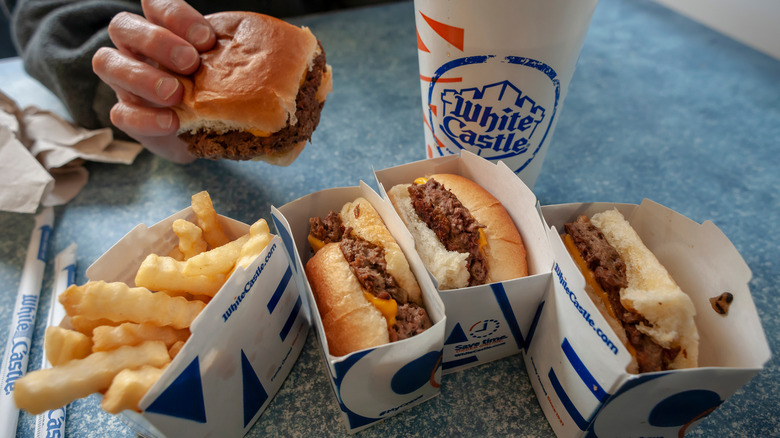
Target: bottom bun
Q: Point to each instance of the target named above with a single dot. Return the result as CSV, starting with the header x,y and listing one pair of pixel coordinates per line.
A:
x,y
351,323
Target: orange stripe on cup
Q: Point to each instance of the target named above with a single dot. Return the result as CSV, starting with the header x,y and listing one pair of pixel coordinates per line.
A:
x,y
451,34
421,44
439,144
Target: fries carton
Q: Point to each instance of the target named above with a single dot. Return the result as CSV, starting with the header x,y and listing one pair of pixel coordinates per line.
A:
x,y
243,344
487,322
577,365
374,384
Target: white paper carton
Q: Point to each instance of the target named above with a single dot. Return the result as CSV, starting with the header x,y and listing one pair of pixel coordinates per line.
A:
x,y
243,344
577,365
373,384
488,322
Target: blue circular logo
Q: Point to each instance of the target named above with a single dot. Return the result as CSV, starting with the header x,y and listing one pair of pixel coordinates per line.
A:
x,y
494,120
484,328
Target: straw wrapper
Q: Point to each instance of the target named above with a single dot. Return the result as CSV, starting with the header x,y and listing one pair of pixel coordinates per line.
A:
x,y
17,350
52,423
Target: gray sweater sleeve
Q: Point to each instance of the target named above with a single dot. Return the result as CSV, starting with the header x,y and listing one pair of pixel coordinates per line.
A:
x,y
56,40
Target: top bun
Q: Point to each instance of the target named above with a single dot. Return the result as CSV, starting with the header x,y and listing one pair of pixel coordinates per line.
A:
x,y
367,224
652,292
250,79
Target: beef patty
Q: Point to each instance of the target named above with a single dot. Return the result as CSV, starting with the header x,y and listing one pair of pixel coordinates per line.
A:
x,y
242,145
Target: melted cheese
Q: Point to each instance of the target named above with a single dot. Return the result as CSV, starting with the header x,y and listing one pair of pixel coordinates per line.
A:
x,y
258,133
316,244
421,180
388,308
482,239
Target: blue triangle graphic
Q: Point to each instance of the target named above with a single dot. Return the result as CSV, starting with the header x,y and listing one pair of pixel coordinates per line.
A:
x,y
254,393
184,397
456,336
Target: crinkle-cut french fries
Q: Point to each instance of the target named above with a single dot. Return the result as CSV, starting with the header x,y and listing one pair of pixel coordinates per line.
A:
x,y
123,337
109,338
190,236
259,238
187,295
176,254
119,302
128,388
207,220
174,349
216,261
165,273
85,325
54,387
63,345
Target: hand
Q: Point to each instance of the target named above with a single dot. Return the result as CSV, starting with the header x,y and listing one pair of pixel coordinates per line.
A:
x,y
172,35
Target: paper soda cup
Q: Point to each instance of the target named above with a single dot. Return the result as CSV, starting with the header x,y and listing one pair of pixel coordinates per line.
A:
x,y
494,75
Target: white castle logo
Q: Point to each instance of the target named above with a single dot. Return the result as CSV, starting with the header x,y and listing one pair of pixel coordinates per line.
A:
x,y
498,119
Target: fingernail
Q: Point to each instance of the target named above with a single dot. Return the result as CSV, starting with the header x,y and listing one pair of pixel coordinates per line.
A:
x,y
165,87
198,34
184,57
165,120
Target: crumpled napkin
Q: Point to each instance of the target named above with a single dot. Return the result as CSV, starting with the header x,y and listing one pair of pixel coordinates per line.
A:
x,y
42,156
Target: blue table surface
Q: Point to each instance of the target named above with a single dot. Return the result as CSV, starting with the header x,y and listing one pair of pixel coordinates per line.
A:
x,y
660,107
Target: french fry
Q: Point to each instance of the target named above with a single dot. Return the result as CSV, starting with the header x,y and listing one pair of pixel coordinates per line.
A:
x,y
176,254
176,293
216,261
128,388
259,237
205,298
165,273
119,302
174,349
191,241
55,387
123,337
85,325
109,338
207,220
63,345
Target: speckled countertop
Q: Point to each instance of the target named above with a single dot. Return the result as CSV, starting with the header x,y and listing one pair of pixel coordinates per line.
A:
x,y
660,107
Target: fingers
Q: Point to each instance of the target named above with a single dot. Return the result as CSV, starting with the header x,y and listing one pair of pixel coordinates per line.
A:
x,y
181,19
155,128
170,148
135,36
168,39
124,73
138,120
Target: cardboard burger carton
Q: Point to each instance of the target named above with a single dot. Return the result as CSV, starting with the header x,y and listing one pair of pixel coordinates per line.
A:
x,y
577,366
242,347
488,322
372,384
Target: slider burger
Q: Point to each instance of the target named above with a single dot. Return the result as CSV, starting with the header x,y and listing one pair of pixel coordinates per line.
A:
x,y
365,291
463,234
637,296
258,93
